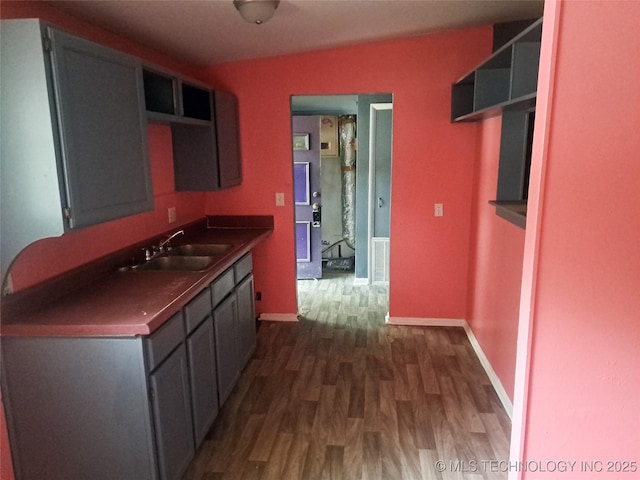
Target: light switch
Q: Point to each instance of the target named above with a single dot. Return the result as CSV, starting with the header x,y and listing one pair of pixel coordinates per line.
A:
x,y
438,209
172,214
279,199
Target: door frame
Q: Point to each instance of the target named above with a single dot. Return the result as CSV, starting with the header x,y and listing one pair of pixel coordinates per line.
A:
x,y
374,108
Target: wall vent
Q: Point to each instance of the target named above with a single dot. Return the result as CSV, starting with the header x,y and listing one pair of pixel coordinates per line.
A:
x,y
380,261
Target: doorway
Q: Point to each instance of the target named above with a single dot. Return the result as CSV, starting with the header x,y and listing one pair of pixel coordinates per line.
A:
x,y
380,141
328,199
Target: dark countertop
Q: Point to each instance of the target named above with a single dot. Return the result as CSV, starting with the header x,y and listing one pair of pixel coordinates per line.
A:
x,y
131,302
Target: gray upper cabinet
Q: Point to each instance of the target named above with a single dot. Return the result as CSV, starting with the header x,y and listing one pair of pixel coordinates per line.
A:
x,y
207,157
204,130
228,139
74,149
103,131
195,158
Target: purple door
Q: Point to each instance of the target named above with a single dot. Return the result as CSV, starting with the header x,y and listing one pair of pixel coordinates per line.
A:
x,y
306,187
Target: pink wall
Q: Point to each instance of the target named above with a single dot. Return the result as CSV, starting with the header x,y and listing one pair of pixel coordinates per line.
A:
x,y
432,160
495,264
581,279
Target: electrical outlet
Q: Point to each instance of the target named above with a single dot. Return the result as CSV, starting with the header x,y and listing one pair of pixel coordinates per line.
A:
x,y
438,209
279,199
172,214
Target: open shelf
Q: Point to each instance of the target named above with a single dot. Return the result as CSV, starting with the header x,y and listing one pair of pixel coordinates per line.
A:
x,y
196,102
160,93
506,84
156,117
506,80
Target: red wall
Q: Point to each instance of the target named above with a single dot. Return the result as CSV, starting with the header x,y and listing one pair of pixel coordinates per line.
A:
x,y
432,160
495,264
581,279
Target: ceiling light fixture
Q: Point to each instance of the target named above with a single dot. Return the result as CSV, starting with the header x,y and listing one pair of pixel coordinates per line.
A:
x,y
256,11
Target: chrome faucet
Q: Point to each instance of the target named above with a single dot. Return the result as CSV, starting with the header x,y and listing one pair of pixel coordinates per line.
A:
x,y
151,253
165,243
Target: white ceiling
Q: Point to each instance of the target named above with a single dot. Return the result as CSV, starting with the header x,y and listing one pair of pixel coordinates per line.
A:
x,y
207,32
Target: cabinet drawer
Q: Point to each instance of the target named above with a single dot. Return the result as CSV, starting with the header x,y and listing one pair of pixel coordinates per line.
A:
x,y
243,267
161,343
197,310
221,287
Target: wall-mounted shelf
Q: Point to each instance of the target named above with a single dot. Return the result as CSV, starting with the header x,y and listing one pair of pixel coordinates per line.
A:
x,y
507,80
172,100
514,212
505,84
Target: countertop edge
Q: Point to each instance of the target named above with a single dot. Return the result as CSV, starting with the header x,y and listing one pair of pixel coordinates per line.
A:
x,y
32,324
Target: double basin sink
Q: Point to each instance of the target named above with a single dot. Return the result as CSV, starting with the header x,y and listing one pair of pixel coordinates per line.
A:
x,y
190,258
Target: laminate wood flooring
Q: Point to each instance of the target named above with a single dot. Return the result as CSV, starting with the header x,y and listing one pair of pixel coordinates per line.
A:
x,y
341,395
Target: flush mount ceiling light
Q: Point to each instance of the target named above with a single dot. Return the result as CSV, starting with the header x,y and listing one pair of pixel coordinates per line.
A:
x,y
256,11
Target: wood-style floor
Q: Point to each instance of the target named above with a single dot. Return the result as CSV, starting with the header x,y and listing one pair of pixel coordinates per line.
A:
x,y
341,395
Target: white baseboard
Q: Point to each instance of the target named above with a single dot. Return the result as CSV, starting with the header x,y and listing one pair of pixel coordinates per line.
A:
x,y
484,361
426,322
278,317
495,381
360,281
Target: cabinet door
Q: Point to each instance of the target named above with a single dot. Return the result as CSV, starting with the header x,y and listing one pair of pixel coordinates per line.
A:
x,y
100,106
224,321
246,321
195,159
172,415
202,372
227,127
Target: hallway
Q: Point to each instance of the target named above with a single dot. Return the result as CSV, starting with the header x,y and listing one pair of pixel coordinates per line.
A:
x,y
341,395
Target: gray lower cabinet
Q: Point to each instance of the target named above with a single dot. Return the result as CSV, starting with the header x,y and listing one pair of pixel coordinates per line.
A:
x,y
171,403
131,408
224,319
203,375
78,408
246,330
234,324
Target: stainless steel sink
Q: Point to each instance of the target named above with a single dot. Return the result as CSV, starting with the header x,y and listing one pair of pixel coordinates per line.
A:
x,y
203,249
178,263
